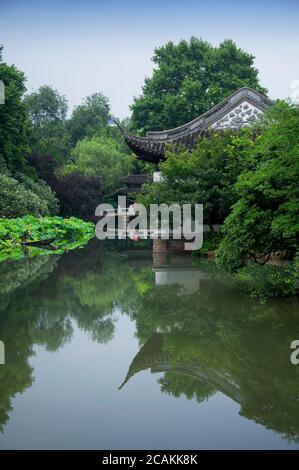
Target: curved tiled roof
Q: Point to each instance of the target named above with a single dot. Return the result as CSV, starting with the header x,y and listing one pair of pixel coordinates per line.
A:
x,y
152,147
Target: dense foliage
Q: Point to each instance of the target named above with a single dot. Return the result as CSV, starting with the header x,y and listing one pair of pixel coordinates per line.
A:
x,y
102,157
189,78
44,166
49,135
206,175
89,118
24,196
265,218
42,190
14,122
80,158
78,194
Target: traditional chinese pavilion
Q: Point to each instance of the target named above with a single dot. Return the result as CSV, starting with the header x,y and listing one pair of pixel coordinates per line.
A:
x,y
240,109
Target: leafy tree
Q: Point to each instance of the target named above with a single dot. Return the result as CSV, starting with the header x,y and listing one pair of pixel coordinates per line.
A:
x,y
79,195
14,121
89,118
46,105
100,157
265,218
45,167
189,78
49,136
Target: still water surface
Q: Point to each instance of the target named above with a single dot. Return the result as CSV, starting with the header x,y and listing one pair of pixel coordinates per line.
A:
x,y
108,349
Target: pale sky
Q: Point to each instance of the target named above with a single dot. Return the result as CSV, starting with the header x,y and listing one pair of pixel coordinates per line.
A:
x,y
81,47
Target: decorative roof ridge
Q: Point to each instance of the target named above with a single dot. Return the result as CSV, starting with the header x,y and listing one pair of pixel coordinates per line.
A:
x,y
243,92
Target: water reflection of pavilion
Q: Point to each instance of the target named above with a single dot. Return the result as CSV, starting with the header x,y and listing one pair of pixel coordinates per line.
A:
x,y
152,356
169,270
187,278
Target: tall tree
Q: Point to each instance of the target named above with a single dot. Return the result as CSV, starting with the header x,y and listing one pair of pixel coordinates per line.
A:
x,y
101,157
47,109
14,121
189,78
46,105
89,118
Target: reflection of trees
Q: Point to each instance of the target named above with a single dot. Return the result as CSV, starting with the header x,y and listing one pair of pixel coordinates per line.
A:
x,y
43,297
17,325
219,340
215,340
177,384
16,375
15,274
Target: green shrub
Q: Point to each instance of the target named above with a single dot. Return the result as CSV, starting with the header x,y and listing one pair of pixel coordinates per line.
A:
x,y
269,280
211,242
42,190
22,195
16,200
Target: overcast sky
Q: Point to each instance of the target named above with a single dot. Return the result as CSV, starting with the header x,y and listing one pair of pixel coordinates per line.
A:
x,y
84,46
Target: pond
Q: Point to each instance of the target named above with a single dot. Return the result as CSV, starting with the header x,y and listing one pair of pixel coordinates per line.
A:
x,y
107,347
